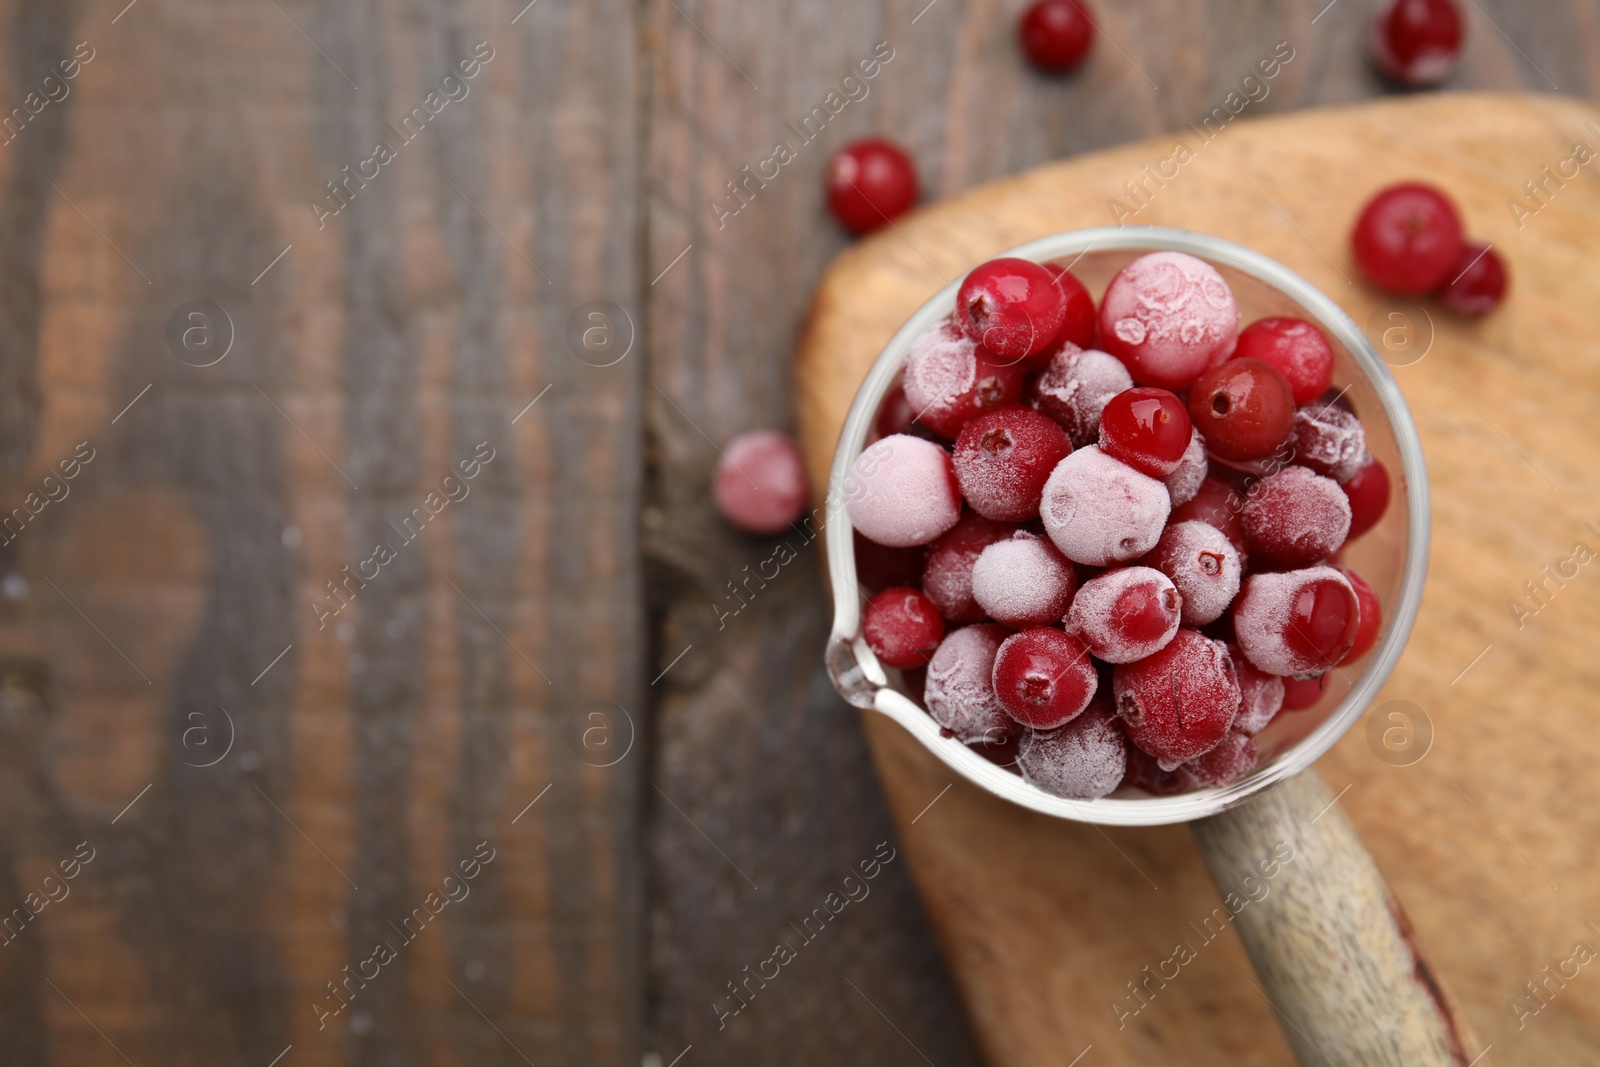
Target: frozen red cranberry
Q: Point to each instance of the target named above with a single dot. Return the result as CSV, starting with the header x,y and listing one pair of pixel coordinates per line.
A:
x,y
870,182
902,491
1126,613
760,484
1218,504
947,576
902,627
1012,307
1056,34
1178,703
1184,481
1328,440
1100,511
1024,581
1243,408
1296,622
1368,493
895,414
1144,773
1083,760
1004,750
1371,617
1232,759
1295,518
1302,693
880,566
1407,238
1204,567
1044,677
1477,281
948,380
1168,316
959,692
1260,695
1416,42
1148,429
1078,318
1295,349
1003,458
1075,388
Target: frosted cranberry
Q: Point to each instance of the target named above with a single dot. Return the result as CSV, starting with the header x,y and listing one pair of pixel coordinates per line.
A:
x,y
1044,677
760,484
1368,493
1184,481
1407,238
1013,307
1003,458
902,491
1296,622
1232,759
880,566
1100,511
959,692
1371,617
1056,34
1144,773
948,381
902,627
1126,613
1148,429
1295,349
870,182
1260,695
1416,42
1077,319
1477,281
895,414
1329,441
947,577
1178,703
1083,760
1295,518
1075,388
1204,567
1023,581
1243,408
1218,504
1302,693
1168,316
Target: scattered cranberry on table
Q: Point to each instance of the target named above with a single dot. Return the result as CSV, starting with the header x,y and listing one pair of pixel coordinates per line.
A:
x,y
760,482
1056,34
1477,281
870,182
1407,238
1416,42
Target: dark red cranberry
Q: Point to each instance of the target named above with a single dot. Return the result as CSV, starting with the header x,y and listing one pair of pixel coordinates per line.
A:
x,y
1371,616
902,627
879,566
1243,408
1218,504
1295,518
1148,429
1368,493
1295,349
1013,307
895,414
1416,42
1180,702
1407,238
1144,773
1056,34
947,577
1044,677
1003,459
1078,321
1477,282
1301,693
870,182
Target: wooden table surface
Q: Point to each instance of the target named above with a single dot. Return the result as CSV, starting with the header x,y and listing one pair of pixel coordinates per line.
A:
x,y
270,752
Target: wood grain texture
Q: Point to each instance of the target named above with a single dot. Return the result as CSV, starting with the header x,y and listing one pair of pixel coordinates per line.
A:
x,y
1048,924
1334,952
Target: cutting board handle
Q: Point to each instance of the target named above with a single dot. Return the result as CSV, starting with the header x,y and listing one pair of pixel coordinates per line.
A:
x,y
1336,956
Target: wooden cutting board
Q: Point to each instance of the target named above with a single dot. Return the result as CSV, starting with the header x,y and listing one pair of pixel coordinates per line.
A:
x,y
1485,817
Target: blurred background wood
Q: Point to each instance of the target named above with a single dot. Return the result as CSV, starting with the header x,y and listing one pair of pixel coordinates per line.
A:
x,y
579,576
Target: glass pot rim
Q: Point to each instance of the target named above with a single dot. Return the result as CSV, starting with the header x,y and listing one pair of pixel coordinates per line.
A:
x,y
861,679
